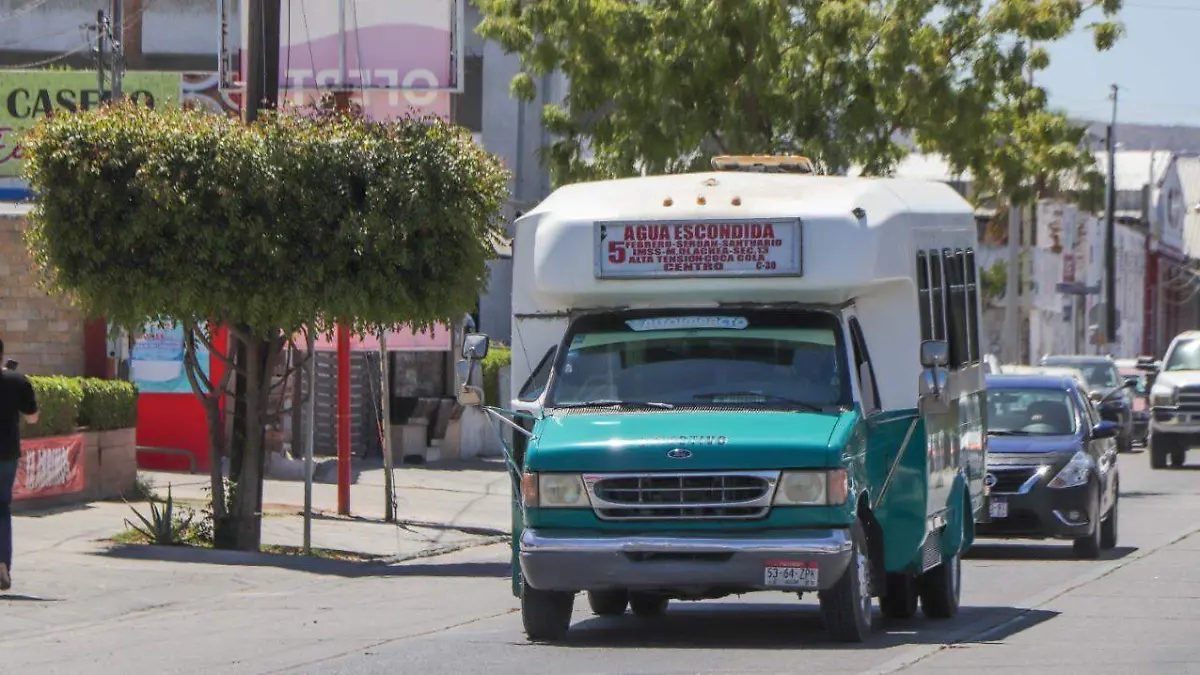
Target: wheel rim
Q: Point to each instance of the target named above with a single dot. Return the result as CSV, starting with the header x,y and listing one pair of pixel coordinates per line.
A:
x,y
864,584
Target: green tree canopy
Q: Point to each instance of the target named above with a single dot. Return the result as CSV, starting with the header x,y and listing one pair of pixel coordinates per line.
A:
x,y
662,85
176,214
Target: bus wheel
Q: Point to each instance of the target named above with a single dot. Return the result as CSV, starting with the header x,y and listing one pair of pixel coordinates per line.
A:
x,y
847,606
608,603
940,588
546,614
900,602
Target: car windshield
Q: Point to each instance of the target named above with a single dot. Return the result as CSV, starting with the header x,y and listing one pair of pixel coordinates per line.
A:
x,y
1185,356
1098,375
1030,412
789,359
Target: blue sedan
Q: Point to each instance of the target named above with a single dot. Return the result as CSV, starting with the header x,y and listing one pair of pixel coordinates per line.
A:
x,y
1052,464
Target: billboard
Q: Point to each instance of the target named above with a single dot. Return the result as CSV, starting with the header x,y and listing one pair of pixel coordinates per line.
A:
x,y
399,57
30,95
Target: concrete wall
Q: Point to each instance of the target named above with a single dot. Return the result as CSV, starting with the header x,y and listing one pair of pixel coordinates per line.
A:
x,y
44,334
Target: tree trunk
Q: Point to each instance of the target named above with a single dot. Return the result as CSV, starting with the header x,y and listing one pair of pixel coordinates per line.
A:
x,y
262,357
300,362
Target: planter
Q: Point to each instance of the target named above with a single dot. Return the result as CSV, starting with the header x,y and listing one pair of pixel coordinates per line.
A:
x,y
118,462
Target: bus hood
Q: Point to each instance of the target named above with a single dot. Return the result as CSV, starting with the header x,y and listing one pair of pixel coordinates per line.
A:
x,y
688,441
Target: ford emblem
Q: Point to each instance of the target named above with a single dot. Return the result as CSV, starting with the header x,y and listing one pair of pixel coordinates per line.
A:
x,y
990,481
679,453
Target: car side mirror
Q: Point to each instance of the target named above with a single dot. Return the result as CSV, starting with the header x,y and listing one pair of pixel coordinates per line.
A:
x,y
1105,429
1130,384
935,353
475,347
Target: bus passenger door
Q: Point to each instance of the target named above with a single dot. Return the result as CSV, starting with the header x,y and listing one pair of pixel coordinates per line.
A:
x,y
528,403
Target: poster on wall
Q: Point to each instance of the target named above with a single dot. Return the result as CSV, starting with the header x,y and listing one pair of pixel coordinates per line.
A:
x,y
50,467
156,363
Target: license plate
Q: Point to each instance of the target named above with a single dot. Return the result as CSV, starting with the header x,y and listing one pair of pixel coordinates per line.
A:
x,y
790,574
998,508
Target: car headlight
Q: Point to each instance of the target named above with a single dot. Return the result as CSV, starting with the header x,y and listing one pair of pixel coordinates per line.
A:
x,y
554,490
1075,473
1162,396
812,488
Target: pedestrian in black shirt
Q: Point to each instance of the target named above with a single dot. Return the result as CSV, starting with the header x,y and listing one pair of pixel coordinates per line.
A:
x,y
16,401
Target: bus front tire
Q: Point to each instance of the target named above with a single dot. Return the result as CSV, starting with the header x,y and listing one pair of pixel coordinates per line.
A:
x,y
546,615
847,606
941,588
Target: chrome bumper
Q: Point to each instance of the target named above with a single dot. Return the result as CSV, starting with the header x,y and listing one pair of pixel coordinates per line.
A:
x,y
570,561
1167,420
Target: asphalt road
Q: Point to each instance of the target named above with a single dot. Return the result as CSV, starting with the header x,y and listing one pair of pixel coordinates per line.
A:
x,y
1027,607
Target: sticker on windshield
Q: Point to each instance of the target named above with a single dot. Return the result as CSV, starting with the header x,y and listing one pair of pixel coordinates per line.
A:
x,y
678,322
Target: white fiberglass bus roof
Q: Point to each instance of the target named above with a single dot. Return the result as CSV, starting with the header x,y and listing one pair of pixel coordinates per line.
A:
x,y
651,241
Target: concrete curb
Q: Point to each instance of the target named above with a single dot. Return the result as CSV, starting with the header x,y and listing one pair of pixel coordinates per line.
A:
x,y
981,630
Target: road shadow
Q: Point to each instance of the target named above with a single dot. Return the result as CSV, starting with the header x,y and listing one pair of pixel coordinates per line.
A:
x,y
35,511
1142,494
18,597
403,524
308,564
786,626
999,550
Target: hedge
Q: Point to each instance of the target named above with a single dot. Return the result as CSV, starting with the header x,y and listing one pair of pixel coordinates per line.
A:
x,y
67,403
499,356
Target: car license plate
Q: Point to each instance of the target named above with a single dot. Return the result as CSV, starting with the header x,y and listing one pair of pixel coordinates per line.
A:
x,y
790,574
998,508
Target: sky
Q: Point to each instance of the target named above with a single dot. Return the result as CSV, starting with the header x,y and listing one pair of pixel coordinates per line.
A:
x,y
1154,66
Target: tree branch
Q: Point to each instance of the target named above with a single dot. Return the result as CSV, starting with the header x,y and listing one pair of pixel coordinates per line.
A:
x,y
215,352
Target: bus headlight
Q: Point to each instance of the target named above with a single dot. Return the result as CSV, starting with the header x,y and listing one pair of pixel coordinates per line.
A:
x,y
554,490
812,488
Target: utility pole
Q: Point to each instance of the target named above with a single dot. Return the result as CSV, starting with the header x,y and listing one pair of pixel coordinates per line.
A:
x,y
1110,251
385,431
341,98
117,35
1012,307
100,33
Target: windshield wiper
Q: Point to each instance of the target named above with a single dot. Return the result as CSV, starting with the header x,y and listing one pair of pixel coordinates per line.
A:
x,y
1008,432
767,397
615,403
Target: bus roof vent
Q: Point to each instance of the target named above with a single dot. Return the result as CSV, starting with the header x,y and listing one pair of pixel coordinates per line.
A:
x,y
763,163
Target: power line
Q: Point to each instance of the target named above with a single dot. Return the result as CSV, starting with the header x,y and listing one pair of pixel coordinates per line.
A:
x,y
48,61
23,10
1162,7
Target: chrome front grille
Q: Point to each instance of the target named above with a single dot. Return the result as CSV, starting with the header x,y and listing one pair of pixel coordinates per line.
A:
x,y
1188,399
682,496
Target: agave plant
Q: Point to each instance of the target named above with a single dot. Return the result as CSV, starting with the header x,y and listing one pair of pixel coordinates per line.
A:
x,y
164,527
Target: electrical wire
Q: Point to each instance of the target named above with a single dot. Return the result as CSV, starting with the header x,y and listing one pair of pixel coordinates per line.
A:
x,y
23,10
287,68
362,85
47,61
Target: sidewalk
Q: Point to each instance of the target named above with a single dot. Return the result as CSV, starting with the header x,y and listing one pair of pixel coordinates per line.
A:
x,y
441,508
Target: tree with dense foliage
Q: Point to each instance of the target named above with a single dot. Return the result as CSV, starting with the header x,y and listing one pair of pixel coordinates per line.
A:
x,y
295,221
663,85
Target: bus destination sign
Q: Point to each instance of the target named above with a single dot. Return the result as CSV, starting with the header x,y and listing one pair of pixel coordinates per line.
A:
x,y
708,248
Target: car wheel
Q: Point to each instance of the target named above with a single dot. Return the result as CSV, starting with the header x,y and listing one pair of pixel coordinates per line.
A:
x,y
546,615
608,603
1108,528
1178,455
941,589
648,605
1088,548
900,602
1159,449
847,607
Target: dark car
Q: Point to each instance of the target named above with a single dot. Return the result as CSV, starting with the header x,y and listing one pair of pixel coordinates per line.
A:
x,y
1052,464
1112,393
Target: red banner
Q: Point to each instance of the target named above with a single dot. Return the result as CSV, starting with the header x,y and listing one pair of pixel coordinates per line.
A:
x,y
50,467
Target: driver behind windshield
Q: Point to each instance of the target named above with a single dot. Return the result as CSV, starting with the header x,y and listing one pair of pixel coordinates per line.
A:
x,y
1031,413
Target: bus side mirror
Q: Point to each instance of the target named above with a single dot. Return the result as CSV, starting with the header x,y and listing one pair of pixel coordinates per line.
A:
x,y
935,353
475,347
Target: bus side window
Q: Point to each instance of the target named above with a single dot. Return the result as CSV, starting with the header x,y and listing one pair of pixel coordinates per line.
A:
x,y
866,375
924,300
976,350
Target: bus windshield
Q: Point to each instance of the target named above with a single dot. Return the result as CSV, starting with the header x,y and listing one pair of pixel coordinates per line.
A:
x,y
790,359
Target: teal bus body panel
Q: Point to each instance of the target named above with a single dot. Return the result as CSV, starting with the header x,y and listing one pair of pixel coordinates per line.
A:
x,y
719,441
902,512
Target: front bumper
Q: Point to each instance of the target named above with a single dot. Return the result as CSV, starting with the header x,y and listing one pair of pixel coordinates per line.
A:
x,y
1170,420
687,564
1041,513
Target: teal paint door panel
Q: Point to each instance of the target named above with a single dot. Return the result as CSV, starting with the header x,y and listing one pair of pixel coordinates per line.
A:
x,y
902,509
639,441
